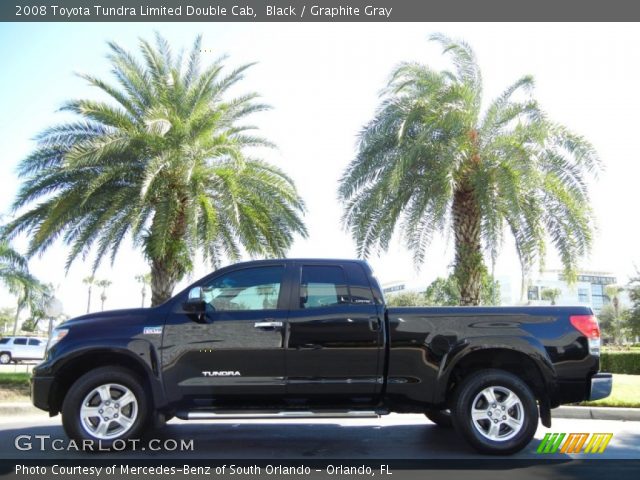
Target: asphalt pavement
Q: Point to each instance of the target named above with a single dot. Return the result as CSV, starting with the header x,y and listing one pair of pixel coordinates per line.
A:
x,y
389,437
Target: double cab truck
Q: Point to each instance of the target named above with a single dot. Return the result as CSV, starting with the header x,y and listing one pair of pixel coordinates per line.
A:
x,y
300,338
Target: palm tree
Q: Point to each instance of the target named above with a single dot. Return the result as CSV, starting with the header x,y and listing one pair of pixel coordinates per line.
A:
x,y
14,274
613,293
165,162
38,307
551,294
144,280
89,282
6,318
434,160
29,295
103,284
13,266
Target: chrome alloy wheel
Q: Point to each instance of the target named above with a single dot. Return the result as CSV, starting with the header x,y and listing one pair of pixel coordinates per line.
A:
x,y
497,413
108,411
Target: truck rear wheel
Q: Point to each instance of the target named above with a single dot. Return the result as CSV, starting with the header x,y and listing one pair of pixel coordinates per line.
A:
x,y
106,405
495,412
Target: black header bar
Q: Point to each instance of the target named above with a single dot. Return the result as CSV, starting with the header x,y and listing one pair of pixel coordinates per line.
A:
x,y
317,10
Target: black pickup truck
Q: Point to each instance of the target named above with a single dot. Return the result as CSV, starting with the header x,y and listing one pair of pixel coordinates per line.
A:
x,y
313,338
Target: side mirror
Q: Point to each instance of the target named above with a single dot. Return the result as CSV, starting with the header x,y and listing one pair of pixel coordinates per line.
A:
x,y
196,293
195,306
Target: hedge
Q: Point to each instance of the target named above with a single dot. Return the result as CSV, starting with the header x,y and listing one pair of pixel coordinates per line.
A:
x,y
620,362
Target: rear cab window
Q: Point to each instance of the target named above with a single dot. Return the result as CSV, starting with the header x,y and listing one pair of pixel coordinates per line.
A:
x,y
359,286
331,285
323,286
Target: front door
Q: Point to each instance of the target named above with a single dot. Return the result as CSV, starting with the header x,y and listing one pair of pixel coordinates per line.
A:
x,y
334,349
235,353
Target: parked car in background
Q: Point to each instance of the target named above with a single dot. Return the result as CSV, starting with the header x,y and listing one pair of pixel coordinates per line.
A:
x,y
16,349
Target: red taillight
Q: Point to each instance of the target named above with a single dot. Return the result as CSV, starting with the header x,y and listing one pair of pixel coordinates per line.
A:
x,y
586,324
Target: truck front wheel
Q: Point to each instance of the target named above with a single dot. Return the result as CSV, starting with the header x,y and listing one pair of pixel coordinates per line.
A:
x,y
105,405
495,412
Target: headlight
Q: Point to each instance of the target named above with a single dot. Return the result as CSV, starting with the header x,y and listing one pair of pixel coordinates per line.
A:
x,y
56,335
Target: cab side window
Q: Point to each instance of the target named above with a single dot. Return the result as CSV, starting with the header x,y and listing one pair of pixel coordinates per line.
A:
x,y
247,289
34,341
20,341
359,287
323,286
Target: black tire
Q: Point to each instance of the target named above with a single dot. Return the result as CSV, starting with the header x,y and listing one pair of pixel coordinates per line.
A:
x,y
441,418
469,394
117,377
5,358
160,420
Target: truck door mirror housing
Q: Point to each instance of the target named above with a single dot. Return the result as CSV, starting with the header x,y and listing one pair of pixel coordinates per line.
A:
x,y
195,306
196,293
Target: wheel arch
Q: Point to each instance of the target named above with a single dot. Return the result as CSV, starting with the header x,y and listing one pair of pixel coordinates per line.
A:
x,y
82,363
535,372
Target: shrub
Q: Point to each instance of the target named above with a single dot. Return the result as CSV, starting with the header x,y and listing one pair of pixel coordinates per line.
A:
x,y
620,362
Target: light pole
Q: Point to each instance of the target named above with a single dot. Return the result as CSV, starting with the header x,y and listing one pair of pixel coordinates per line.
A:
x,y
53,310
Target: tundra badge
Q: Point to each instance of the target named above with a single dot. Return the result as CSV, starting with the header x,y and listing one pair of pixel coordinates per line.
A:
x,y
208,373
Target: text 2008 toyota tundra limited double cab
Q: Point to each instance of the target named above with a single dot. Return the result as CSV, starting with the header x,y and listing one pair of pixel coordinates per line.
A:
x,y
309,338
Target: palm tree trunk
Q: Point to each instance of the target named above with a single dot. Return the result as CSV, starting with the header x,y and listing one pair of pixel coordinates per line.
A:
x,y
469,265
89,300
163,281
16,320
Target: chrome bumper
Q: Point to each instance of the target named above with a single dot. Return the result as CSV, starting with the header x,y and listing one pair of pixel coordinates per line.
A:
x,y
601,384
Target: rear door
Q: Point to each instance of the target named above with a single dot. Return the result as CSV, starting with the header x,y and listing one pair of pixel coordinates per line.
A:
x,y
335,338
36,348
20,350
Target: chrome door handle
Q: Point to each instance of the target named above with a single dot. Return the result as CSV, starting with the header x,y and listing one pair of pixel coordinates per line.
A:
x,y
374,324
267,324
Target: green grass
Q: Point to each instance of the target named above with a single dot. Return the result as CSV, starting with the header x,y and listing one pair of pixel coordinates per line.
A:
x,y
14,379
621,349
625,393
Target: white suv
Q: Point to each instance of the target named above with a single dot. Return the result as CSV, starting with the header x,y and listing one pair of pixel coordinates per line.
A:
x,y
15,349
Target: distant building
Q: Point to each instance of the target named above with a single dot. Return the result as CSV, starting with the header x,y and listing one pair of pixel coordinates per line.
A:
x,y
393,287
589,289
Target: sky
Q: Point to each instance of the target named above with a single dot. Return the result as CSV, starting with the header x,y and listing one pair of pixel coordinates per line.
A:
x,y
323,82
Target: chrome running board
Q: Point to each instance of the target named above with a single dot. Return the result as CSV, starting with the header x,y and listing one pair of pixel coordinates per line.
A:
x,y
209,415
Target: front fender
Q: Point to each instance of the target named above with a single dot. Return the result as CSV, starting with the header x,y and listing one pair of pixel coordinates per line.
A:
x,y
68,359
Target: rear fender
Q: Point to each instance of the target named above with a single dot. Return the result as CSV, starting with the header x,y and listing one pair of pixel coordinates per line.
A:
x,y
527,346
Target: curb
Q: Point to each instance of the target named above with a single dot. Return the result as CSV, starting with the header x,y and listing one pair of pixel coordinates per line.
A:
x,y
18,408
597,413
